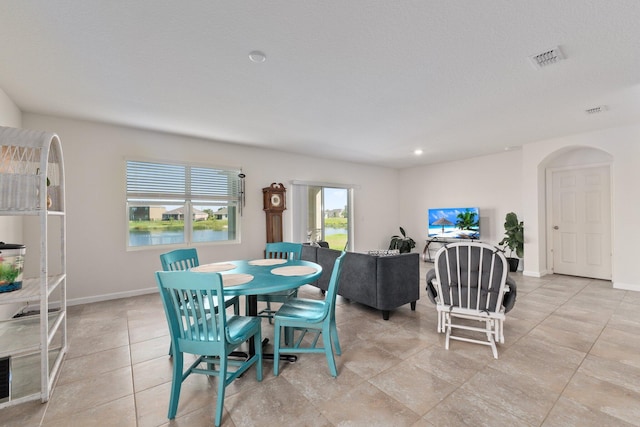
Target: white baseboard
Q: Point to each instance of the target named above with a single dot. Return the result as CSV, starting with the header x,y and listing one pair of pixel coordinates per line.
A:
x,y
626,286
535,273
107,297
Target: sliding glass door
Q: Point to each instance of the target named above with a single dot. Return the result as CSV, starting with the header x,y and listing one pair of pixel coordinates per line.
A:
x,y
323,214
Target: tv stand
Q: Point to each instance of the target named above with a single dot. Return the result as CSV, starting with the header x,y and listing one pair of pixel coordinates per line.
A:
x,y
426,254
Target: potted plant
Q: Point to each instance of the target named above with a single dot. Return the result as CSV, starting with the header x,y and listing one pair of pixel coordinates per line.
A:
x,y
403,243
49,201
514,239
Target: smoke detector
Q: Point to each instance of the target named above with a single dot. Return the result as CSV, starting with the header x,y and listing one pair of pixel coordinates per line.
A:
x,y
547,57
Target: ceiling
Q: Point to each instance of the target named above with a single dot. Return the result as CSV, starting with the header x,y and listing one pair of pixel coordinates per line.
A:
x,y
367,81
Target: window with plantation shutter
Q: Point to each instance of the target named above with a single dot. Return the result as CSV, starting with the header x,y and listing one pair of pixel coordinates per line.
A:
x,y
178,204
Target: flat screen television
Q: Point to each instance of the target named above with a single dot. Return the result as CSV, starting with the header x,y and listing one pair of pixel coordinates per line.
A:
x,y
454,223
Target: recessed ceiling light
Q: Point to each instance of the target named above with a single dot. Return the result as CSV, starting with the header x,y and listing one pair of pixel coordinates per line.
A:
x,y
257,56
417,152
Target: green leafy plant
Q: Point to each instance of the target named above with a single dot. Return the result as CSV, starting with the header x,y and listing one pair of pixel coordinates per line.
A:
x,y
48,181
514,235
403,243
8,273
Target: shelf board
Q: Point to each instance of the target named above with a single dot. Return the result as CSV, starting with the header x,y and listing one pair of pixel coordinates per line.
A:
x,y
30,290
28,212
25,372
21,335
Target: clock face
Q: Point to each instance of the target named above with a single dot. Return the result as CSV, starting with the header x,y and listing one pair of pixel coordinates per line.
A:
x,y
276,200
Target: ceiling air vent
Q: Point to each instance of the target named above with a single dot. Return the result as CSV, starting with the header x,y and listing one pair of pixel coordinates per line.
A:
x,y
596,110
548,57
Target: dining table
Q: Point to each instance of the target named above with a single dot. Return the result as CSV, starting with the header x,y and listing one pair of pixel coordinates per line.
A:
x,y
262,276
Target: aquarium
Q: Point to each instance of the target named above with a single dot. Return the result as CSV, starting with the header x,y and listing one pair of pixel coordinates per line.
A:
x,y
11,266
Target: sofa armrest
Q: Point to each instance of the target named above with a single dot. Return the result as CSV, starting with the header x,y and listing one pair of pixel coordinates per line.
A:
x,y
309,253
326,258
398,280
358,278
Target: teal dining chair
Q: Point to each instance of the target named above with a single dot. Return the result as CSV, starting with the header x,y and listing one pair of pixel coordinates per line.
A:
x,y
186,258
196,330
309,315
279,250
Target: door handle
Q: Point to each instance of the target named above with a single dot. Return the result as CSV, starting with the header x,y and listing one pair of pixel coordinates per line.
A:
x,y
555,227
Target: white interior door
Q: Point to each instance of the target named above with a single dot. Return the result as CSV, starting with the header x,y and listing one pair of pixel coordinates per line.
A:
x,y
581,222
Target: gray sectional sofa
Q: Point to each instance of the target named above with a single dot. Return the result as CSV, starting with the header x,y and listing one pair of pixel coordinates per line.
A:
x,y
382,282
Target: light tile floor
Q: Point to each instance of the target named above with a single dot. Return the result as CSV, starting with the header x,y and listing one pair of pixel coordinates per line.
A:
x,y
571,358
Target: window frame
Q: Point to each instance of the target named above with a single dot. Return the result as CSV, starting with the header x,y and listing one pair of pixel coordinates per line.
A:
x,y
191,197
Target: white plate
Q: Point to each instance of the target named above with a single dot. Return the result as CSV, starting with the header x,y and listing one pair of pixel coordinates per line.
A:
x,y
273,261
214,268
236,279
294,270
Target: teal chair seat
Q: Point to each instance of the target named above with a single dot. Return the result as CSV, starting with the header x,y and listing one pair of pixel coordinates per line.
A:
x,y
238,331
307,315
196,330
302,309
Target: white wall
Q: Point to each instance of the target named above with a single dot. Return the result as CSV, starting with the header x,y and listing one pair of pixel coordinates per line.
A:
x,y
491,183
10,115
10,227
98,263
623,144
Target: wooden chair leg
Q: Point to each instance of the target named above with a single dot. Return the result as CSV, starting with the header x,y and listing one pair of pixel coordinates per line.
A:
x,y
276,349
222,383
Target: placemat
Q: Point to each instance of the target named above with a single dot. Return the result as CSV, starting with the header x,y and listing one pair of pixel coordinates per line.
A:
x,y
294,270
236,279
214,268
273,261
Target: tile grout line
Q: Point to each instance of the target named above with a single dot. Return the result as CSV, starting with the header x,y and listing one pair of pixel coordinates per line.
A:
x,y
583,359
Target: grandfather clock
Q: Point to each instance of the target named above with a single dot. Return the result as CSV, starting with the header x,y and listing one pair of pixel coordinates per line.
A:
x,y
274,205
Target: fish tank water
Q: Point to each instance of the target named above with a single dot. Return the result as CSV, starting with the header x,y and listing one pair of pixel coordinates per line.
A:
x,y
11,266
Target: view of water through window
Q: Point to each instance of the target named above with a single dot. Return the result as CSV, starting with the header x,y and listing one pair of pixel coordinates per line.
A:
x,y
146,238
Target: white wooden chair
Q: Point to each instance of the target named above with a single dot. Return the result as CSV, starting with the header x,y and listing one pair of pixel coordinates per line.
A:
x,y
471,283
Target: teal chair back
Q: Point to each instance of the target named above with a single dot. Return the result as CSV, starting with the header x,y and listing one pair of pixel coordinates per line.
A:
x,y
196,329
334,281
179,259
279,250
283,250
187,298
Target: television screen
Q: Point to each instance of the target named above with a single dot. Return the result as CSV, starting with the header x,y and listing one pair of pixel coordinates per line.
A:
x,y
454,223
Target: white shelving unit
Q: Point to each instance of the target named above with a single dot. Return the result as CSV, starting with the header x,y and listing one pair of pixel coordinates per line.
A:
x,y
31,173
